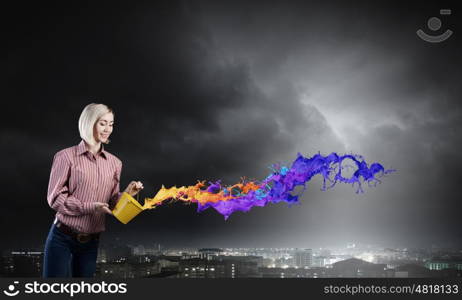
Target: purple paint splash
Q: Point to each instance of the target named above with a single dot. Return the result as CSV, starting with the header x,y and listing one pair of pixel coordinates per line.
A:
x,y
282,182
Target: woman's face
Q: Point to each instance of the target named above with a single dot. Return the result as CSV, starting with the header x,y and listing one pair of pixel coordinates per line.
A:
x,y
103,128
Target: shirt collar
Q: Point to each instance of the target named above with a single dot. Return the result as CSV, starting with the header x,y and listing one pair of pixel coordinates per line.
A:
x,y
82,148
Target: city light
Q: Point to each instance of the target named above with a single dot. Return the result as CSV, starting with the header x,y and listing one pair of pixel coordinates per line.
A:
x,y
346,261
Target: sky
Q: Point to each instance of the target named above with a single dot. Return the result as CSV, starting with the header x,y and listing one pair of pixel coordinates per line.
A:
x,y
206,90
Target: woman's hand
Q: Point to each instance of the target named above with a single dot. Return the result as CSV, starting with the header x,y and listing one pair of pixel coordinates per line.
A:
x,y
134,187
101,207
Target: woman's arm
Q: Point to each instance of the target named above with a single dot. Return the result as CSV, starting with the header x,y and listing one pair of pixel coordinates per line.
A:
x,y
116,191
58,196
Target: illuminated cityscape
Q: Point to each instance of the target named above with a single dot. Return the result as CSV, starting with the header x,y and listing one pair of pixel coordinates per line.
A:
x,y
349,261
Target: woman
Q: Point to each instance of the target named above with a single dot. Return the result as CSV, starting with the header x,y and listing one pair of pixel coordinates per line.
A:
x,y
83,188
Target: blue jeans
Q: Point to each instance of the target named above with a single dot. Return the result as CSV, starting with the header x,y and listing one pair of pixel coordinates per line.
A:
x,y
66,257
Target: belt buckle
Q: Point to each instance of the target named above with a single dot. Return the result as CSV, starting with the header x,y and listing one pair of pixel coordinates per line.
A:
x,y
83,238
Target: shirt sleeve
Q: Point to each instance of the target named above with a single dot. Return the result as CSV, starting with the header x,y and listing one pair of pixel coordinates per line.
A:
x,y
116,194
58,195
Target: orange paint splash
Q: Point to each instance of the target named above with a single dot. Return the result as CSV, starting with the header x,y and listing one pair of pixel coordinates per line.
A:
x,y
198,193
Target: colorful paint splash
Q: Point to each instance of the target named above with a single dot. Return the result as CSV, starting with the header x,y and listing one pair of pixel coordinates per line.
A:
x,y
278,186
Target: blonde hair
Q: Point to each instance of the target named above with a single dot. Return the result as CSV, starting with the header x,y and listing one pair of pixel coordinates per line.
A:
x,y
88,118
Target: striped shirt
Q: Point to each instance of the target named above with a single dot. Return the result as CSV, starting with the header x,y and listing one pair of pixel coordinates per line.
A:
x,y
78,178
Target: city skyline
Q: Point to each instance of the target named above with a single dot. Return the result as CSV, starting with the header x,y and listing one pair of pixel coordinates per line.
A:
x,y
352,261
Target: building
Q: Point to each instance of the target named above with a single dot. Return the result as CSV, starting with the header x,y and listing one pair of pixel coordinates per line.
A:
x,y
294,273
249,258
201,268
127,269
412,271
139,267
320,261
102,257
354,268
441,263
23,264
231,267
303,258
209,253
418,271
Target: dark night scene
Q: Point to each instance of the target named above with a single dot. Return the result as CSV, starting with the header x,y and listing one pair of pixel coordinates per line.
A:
x,y
231,139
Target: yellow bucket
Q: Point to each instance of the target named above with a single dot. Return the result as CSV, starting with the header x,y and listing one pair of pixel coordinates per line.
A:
x,y
127,208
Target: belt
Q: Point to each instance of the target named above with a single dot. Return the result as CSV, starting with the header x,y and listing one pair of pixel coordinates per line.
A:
x,y
80,237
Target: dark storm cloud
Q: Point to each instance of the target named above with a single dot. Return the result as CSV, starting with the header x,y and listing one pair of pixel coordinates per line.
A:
x,y
383,92
203,90
183,111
